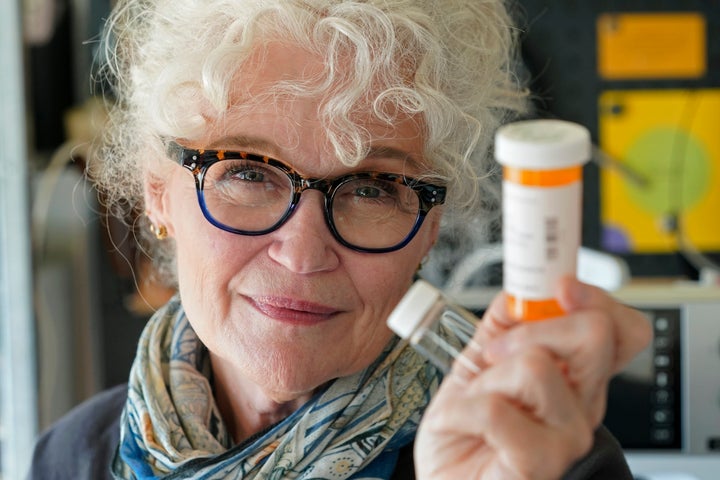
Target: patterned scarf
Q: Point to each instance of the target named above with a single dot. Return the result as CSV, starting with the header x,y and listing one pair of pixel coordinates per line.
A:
x,y
171,427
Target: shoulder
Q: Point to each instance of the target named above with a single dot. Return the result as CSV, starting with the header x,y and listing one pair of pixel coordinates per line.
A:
x,y
606,460
81,444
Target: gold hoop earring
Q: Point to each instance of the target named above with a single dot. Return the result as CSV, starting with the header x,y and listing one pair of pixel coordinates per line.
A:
x,y
159,231
421,264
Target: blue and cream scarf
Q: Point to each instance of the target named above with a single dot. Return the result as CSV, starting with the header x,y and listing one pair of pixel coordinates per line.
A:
x,y
171,427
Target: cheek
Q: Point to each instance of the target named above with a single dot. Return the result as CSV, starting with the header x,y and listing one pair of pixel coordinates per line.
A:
x,y
203,251
200,281
381,288
207,260
208,264
383,280
198,254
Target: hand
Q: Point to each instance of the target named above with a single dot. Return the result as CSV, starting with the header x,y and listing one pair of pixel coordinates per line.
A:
x,y
531,412
518,419
595,340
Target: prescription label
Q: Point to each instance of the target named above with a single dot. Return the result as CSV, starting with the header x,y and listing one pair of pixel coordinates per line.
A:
x,y
541,237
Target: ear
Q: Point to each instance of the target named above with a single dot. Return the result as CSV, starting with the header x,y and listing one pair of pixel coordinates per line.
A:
x,y
156,201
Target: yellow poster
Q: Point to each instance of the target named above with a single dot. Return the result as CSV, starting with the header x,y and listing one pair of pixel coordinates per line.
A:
x,y
662,170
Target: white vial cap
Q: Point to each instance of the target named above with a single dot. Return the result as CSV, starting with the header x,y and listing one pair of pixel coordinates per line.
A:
x,y
412,308
542,144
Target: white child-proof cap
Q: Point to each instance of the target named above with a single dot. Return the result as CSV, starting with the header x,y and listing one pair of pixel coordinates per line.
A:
x,y
542,144
412,308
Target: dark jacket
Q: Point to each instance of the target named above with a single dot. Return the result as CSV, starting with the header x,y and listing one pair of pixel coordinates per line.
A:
x,y
82,444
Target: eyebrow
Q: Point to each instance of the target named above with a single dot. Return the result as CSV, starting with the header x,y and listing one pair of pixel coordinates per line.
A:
x,y
252,143
244,141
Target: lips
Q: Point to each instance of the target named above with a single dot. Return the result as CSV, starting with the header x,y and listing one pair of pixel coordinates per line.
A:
x,y
292,311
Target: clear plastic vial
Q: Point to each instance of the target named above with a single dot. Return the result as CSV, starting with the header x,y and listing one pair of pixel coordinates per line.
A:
x,y
542,208
434,326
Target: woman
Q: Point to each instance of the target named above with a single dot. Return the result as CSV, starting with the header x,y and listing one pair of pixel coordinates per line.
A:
x,y
296,160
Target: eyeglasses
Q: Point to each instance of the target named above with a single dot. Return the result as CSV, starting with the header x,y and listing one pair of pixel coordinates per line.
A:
x,y
250,194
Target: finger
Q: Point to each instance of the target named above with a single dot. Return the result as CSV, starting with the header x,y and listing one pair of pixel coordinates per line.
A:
x,y
469,363
497,319
535,380
528,448
532,378
517,405
494,323
632,332
582,343
595,340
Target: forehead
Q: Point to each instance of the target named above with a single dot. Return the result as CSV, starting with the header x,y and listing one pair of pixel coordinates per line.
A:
x,y
277,99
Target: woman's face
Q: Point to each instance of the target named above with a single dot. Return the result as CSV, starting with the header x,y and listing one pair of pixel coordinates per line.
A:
x,y
292,309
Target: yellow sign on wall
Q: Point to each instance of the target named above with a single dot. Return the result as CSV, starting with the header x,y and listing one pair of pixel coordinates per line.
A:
x,y
666,145
651,45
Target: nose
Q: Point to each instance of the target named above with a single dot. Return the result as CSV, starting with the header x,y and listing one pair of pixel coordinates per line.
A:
x,y
304,244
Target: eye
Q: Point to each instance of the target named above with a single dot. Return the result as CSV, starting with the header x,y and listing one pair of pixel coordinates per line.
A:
x,y
248,175
246,178
374,189
247,172
368,191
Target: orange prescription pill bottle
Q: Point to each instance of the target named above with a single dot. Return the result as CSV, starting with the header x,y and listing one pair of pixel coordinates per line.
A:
x,y
542,210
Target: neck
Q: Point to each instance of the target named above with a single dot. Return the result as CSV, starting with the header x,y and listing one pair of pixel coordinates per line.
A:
x,y
245,407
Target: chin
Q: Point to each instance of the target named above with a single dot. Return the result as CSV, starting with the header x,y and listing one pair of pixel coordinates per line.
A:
x,y
286,381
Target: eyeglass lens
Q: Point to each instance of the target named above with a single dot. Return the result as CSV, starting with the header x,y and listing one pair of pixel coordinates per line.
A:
x,y
251,196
